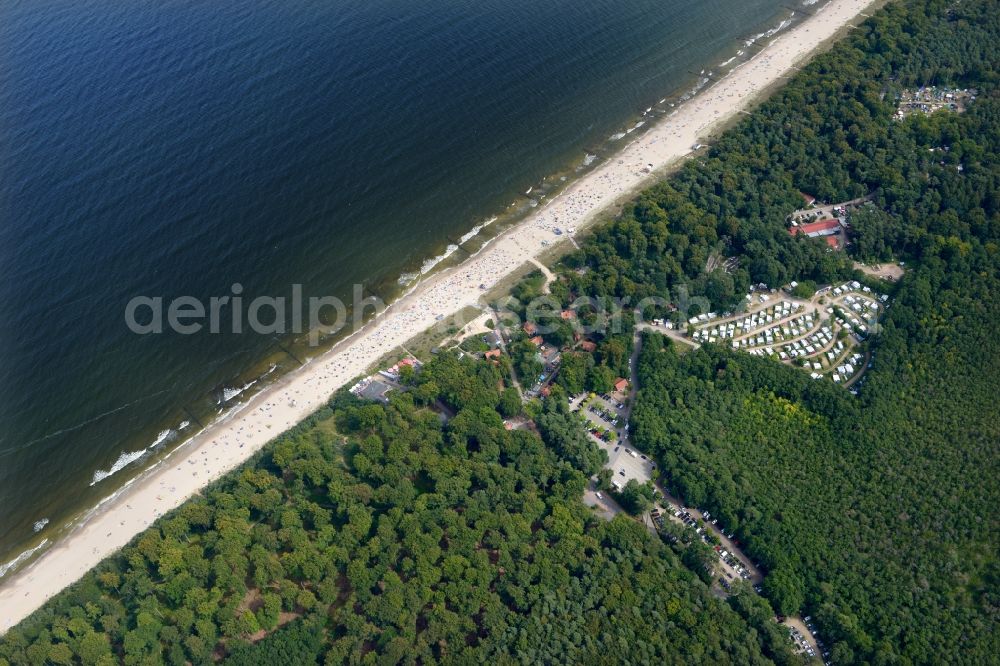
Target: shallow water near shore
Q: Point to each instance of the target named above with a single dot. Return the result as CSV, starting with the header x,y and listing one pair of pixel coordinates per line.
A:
x,y
178,150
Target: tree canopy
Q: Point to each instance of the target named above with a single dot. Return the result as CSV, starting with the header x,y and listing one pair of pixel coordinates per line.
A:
x,y
424,530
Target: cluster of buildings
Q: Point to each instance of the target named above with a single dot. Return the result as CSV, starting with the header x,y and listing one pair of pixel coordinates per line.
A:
x,y
827,221
815,342
549,356
833,230
929,99
821,339
378,386
847,369
744,326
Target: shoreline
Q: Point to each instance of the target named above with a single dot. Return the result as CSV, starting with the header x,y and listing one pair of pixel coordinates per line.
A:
x,y
230,395
233,438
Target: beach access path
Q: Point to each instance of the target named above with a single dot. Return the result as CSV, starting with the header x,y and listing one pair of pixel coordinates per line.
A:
x,y
226,443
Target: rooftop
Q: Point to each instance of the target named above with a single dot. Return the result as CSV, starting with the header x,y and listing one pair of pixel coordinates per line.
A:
x,y
820,228
374,390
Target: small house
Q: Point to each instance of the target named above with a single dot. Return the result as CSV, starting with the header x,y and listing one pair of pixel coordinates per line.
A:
x,y
492,339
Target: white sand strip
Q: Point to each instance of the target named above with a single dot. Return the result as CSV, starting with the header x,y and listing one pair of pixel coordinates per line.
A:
x,y
228,442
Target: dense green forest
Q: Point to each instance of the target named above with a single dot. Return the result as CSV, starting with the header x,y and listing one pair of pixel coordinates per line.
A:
x,y
829,132
379,534
873,514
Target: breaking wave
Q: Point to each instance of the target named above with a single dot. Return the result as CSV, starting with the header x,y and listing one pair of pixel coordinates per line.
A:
x,y
772,32
230,393
429,264
4,568
126,458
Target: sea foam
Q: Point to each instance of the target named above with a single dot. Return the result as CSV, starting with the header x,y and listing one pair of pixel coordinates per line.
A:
x,y
126,458
230,393
429,265
407,279
4,568
772,32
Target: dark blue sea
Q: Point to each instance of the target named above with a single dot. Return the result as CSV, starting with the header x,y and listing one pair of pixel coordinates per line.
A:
x,y
176,148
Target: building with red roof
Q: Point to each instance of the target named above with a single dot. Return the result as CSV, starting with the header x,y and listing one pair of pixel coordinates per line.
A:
x,y
815,229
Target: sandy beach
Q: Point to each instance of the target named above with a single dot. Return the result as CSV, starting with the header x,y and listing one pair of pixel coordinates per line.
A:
x,y
228,442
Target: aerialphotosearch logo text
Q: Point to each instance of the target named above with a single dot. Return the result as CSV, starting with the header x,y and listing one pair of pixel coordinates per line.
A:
x,y
323,316
320,316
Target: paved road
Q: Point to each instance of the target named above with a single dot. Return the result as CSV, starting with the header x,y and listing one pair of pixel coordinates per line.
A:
x,y
642,469
673,334
827,210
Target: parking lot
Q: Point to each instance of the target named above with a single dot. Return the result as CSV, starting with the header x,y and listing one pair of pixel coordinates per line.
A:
x,y
605,418
628,464
608,429
601,502
802,634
